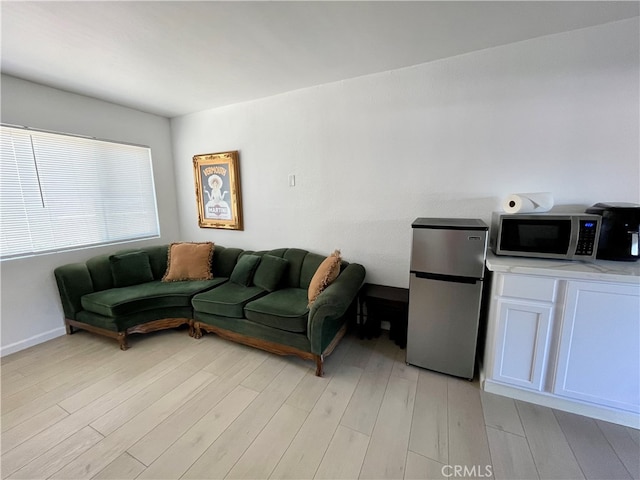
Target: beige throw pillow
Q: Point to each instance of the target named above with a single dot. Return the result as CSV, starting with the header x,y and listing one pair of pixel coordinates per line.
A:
x,y
189,261
326,273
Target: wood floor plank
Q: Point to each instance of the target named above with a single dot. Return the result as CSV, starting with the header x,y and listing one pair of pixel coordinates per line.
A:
x,y
227,360
311,388
38,359
299,461
124,467
387,452
154,443
57,457
53,376
7,377
131,407
468,444
52,348
104,452
193,358
624,445
590,447
511,456
423,468
31,354
429,427
551,452
308,391
345,455
362,411
97,389
145,372
293,423
27,429
265,373
54,373
113,374
11,402
635,434
402,370
221,456
501,413
177,459
262,456
359,352
69,383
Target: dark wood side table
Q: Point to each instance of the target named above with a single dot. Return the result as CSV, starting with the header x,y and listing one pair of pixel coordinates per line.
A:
x,y
384,303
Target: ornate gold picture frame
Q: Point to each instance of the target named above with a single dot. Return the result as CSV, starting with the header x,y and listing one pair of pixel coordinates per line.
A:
x,y
217,178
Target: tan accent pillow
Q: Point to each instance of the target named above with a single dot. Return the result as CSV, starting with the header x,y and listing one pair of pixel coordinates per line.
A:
x,y
326,273
189,261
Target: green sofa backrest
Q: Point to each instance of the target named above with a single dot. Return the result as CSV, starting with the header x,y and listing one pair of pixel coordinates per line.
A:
x,y
100,268
224,259
302,264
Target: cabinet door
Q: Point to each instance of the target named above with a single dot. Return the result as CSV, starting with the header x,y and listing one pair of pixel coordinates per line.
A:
x,y
522,343
599,352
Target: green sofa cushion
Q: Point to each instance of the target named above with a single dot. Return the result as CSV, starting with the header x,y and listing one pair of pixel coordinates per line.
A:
x,y
227,300
130,269
284,309
147,296
256,331
270,272
245,268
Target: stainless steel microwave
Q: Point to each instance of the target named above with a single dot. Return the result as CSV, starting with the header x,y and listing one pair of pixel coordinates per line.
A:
x,y
546,235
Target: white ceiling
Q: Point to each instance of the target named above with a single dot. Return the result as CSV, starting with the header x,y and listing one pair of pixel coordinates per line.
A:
x,y
174,58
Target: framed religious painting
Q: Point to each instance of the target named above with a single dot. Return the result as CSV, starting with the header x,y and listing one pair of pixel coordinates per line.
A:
x,y
217,178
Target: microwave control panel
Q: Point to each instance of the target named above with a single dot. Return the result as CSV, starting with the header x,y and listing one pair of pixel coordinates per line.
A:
x,y
587,238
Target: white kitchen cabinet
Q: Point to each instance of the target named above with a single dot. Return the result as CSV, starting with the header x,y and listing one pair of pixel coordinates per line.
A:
x,y
599,347
565,335
522,343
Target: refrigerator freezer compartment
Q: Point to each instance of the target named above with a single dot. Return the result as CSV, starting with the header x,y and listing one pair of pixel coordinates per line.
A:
x,y
453,252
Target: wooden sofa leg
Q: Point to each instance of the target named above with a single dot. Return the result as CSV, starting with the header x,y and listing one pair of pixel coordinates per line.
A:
x,y
197,331
122,340
68,328
192,330
319,365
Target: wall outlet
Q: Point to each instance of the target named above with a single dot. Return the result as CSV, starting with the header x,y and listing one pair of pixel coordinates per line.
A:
x,y
292,180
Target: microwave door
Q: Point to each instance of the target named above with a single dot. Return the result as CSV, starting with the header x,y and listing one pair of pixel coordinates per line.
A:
x,y
543,236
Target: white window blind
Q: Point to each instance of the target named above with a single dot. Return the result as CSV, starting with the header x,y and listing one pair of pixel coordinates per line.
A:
x,y
60,192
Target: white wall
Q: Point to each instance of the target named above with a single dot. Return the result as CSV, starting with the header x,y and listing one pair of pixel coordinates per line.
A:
x,y
448,138
30,305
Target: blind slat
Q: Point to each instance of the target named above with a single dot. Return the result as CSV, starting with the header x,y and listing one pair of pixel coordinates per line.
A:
x,y
61,192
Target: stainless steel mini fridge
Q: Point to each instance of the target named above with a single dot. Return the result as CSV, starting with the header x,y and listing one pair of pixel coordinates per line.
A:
x,y
445,293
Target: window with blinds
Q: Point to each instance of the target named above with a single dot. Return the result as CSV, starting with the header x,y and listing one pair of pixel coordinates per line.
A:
x,y
61,192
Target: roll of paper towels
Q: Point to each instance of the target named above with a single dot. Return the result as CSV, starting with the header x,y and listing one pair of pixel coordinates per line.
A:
x,y
528,202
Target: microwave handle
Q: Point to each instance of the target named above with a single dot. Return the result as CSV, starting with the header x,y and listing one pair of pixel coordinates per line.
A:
x,y
634,242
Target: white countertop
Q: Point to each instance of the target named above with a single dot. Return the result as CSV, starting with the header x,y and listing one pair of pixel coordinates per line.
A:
x,y
602,270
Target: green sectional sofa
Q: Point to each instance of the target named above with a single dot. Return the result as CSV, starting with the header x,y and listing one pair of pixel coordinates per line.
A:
x,y
254,298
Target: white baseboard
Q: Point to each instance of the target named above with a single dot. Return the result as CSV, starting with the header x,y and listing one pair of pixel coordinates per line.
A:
x,y
628,419
31,341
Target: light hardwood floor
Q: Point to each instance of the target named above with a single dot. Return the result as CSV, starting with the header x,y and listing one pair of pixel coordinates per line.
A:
x,y
176,407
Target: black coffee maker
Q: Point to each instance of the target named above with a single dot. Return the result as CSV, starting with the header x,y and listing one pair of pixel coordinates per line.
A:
x,y
619,231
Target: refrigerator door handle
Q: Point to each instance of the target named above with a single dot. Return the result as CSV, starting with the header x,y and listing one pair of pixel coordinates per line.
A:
x,y
446,278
